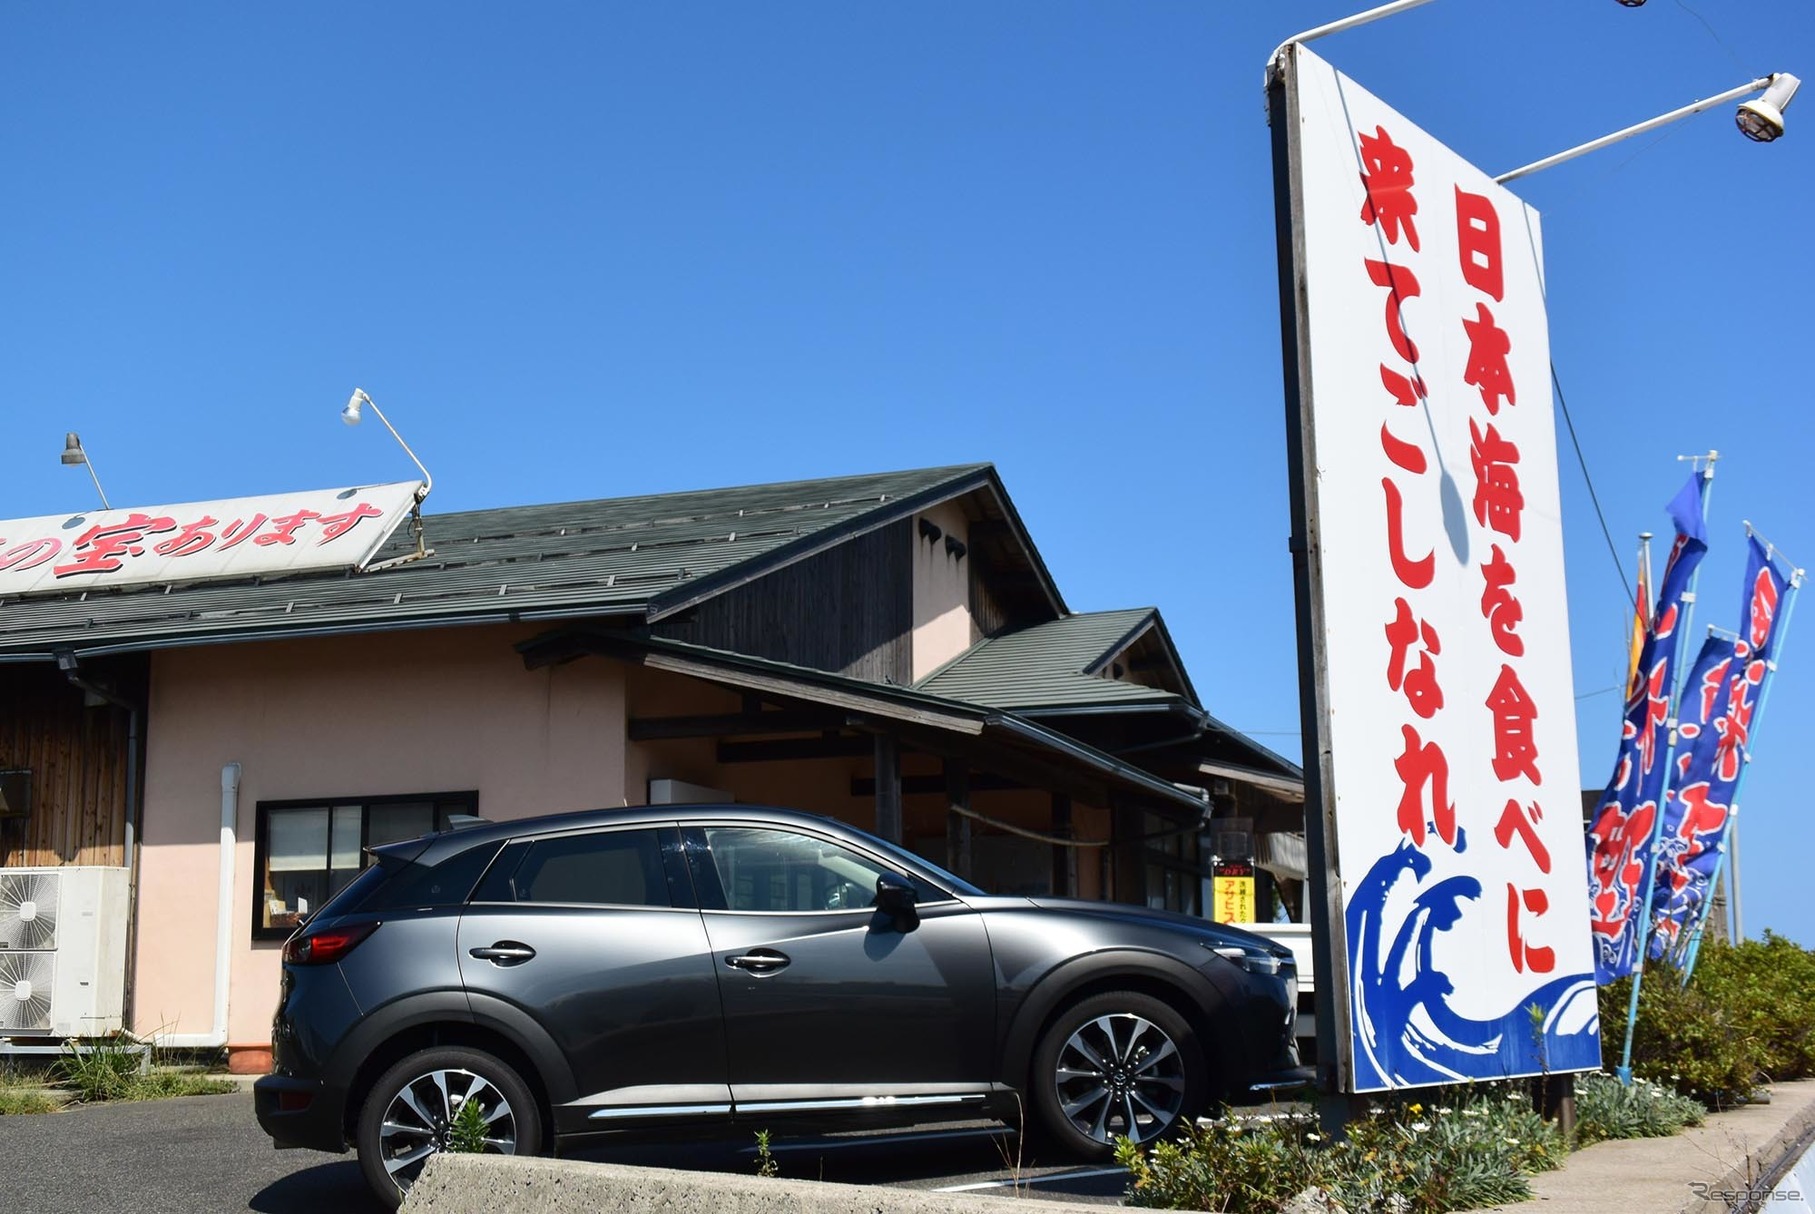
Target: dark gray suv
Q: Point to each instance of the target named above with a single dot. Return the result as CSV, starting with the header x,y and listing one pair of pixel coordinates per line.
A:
x,y
529,984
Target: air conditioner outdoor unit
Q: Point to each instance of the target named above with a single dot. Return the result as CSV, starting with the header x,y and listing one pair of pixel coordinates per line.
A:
x,y
62,951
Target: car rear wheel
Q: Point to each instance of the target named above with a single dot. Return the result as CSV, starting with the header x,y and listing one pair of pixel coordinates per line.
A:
x,y
1116,1065
418,1109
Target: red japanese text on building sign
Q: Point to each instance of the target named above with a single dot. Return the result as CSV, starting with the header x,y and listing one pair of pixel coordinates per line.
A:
x,y
284,533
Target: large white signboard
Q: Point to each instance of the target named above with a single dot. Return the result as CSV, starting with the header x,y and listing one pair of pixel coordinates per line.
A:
x,y
1452,811
199,541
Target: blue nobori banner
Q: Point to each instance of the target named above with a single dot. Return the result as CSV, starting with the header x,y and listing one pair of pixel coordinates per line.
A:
x,y
1622,838
1724,692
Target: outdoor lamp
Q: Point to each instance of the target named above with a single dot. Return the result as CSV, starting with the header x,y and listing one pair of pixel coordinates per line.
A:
x,y
1761,119
73,454
351,415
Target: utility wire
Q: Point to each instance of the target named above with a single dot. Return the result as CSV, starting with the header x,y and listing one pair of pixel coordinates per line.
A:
x,y
1589,481
1718,40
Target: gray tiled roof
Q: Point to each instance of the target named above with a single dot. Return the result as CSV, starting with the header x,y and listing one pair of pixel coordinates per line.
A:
x,y
619,556
1045,666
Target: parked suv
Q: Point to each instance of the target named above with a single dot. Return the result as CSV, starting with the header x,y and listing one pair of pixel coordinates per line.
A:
x,y
529,984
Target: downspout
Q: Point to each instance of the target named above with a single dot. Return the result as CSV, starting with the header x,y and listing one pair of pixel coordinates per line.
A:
x,y
216,1038
66,662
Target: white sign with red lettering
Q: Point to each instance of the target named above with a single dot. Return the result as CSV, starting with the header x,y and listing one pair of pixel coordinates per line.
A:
x,y
201,541
1438,573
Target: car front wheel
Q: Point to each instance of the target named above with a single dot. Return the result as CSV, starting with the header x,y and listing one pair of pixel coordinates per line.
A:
x,y
1116,1065
445,1099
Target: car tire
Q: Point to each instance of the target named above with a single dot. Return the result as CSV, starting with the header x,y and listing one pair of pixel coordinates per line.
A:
x,y
1118,1064
409,1114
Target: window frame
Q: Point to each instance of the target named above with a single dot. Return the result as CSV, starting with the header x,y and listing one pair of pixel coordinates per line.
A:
x,y
715,898
460,801
515,852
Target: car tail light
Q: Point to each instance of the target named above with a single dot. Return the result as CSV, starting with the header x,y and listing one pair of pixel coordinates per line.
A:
x,y
327,945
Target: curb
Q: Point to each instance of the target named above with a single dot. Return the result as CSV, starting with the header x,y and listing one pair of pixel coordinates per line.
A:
x,y
460,1184
1760,1168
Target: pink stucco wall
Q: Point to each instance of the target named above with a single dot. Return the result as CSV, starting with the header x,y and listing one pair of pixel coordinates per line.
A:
x,y
943,624
410,712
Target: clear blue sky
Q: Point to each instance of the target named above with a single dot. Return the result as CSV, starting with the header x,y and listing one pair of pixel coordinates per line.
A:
x,y
583,250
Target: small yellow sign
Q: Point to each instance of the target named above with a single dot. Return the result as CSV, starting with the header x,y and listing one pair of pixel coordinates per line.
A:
x,y
1234,899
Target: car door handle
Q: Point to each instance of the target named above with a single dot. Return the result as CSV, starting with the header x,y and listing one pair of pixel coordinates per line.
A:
x,y
759,961
505,952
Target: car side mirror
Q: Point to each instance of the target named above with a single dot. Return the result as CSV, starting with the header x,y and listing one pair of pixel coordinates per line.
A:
x,y
895,898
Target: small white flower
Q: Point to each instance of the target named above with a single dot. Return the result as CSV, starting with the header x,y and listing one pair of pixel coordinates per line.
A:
x,y
1419,1127
1313,1137
1512,1142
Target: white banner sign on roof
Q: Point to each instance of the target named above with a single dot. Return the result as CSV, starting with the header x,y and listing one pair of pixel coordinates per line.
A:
x,y
241,537
1451,811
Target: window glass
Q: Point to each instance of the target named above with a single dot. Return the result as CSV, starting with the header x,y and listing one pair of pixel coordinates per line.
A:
x,y
608,868
399,821
311,852
446,884
767,871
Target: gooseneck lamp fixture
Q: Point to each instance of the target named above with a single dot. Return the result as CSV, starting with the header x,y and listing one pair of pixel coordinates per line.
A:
x,y
351,414
73,454
1760,120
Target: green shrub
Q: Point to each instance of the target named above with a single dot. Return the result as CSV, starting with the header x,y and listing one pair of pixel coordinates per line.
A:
x,y
1768,986
1607,1108
1473,1150
1745,1018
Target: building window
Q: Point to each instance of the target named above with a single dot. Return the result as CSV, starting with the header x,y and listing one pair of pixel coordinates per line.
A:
x,y
308,851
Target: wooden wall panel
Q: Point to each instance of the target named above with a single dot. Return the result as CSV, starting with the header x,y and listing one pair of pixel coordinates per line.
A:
x,y
77,757
848,610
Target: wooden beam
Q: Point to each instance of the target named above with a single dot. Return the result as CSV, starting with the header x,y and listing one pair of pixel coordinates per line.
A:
x,y
826,746
933,786
732,724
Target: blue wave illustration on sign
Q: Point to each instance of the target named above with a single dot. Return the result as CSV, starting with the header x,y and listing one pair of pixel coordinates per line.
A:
x,y
1406,1033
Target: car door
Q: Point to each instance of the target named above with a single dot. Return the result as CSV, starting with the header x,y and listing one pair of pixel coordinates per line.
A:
x,y
594,935
828,1004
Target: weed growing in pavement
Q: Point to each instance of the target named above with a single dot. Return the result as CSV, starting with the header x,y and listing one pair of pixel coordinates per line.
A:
x,y
765,1162
467,1134
118,1068
21,1092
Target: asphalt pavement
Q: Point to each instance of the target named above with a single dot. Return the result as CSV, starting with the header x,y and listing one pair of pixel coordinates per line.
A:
x,y
200,1154
206,1153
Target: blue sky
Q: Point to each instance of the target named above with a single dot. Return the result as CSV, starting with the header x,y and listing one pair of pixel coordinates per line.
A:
x,y
583,250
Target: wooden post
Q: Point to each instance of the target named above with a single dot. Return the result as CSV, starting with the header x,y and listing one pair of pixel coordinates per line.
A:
x,y
888,787
1064,859
957,826
1555,1097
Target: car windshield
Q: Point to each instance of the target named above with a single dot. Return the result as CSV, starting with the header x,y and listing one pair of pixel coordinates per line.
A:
x,y
956,884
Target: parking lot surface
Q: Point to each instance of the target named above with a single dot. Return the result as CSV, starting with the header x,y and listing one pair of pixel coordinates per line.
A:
x,y
206,1153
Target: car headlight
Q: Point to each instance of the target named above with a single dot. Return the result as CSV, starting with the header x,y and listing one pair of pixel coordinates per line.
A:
x,y
1254,960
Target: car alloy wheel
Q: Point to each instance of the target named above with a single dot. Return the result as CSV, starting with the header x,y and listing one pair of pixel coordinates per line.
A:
x,y
415,1110
1120,1065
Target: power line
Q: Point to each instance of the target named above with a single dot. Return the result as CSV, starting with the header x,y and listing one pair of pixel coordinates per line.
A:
x,y
1589,481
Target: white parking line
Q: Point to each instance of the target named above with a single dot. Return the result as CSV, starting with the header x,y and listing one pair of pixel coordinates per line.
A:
x,y
1030,1181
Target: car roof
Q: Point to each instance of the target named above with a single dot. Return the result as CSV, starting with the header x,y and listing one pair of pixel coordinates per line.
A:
x,y
445,843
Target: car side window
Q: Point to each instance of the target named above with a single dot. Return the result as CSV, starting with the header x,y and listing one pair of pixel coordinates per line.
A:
x,y
602,868
766,871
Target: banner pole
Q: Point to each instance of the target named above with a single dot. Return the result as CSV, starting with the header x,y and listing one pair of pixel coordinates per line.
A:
x,y
1764,694
1647,887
